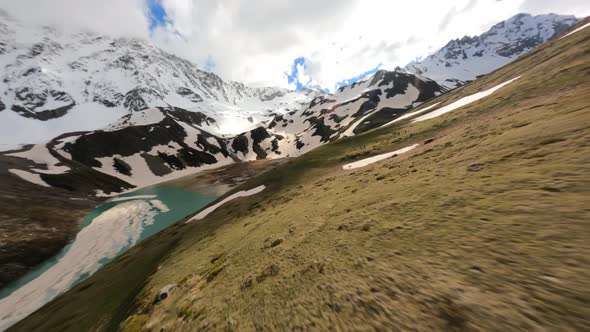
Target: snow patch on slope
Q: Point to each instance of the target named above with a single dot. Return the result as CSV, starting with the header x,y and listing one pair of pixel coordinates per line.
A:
x,y
39,154
577,30
379,157
16,130
411,114
243,193
142,176
139,118
463,102
31,177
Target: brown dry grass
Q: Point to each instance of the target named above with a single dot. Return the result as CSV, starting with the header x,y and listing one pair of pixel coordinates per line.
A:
x,y
484,228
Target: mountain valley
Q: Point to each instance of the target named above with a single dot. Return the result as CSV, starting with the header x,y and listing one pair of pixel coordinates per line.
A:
x,y
479,151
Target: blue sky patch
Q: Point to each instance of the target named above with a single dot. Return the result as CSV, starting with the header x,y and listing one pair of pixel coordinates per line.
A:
x,y
210,64
293,77
159,18
299,63
415,60
357,77
157,14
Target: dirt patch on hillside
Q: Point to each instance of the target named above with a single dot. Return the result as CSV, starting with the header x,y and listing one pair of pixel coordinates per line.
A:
x,y
220,180
35,222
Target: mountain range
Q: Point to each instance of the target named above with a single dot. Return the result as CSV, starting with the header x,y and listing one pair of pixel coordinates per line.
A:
x,y
310,210
466,212
131,111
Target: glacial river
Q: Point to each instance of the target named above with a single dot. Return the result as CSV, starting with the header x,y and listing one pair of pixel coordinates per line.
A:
x,y
107,232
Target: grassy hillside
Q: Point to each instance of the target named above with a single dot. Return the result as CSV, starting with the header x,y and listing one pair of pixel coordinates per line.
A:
x,y
484,227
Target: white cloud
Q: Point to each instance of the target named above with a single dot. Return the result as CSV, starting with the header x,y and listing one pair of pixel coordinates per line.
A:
x,y
112,17
302,76
256,41
579,8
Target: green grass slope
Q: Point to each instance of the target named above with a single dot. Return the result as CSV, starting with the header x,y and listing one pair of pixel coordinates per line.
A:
x,y
483,228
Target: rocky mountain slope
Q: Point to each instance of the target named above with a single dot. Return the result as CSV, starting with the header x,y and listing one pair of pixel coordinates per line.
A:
x,y
464,59
74,82
168,142
153,116
482,225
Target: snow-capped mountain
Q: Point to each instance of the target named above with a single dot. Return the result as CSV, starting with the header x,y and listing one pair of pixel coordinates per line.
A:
x,y
156,144
86,81
129,110
464,59
354,108
166,142
124,109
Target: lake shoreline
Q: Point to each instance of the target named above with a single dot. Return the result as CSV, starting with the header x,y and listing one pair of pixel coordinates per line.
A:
x,y
148,210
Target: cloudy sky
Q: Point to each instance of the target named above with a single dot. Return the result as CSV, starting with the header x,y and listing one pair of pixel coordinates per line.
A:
x,y
289,43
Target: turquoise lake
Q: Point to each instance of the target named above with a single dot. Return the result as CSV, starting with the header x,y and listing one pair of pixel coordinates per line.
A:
x,y
107,232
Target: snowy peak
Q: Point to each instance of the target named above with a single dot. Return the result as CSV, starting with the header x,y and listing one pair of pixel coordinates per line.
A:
x,y
523,32
51,75
466,58
352,109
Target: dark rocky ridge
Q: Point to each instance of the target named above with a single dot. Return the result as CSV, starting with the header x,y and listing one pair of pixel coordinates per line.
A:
x,y
98,144
29,103
171,131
